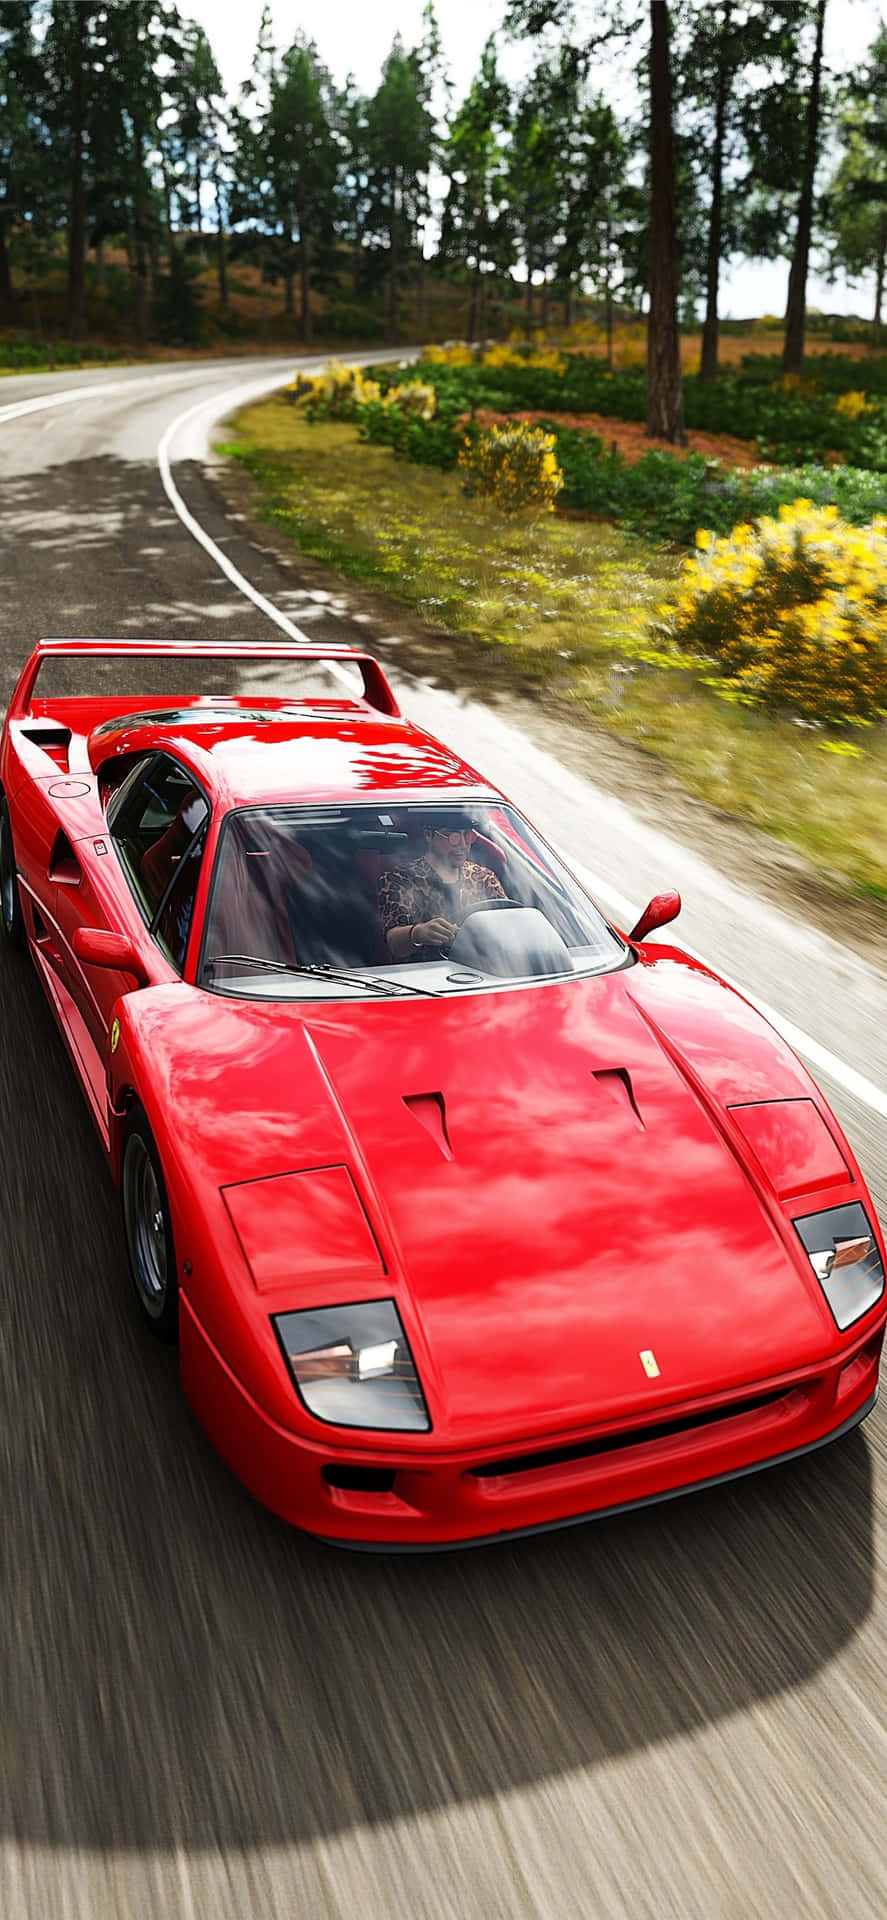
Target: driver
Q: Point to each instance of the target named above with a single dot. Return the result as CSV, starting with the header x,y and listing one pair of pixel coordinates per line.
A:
x,y
422,905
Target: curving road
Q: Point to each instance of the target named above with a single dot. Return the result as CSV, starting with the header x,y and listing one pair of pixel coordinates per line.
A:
x,y
682,1713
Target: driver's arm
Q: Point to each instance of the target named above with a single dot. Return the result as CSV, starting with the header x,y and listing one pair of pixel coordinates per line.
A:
x,y
407,941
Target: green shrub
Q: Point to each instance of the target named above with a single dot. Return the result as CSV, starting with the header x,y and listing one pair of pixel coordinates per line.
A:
x,y
428,443
792,611
513,467
668,497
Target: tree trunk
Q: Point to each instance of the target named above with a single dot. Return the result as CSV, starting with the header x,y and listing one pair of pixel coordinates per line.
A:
x,y
5,276
665,400
140,237
422,297
77,221
474,303
392,262
708,365
879,272
528,301
167,202
568,302
100,264
198,198
608,308
304,272
358,250
796,307
221,250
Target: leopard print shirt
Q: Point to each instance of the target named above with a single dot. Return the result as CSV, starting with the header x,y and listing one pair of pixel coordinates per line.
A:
x,y
410,894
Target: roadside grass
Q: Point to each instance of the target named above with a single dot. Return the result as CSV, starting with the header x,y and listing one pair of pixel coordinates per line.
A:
x,y
566,602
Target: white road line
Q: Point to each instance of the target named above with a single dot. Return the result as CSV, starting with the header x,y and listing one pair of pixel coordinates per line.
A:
x,y
227,566
42,401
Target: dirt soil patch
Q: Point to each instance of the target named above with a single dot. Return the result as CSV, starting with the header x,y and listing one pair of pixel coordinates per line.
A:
x,y
628,437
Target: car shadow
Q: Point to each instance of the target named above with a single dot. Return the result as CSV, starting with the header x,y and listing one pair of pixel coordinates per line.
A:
x,y
181,1669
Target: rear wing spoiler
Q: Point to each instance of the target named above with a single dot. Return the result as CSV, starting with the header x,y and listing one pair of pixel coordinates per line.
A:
x,y
376,690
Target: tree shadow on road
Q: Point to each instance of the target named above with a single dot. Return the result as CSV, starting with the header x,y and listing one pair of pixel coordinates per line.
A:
x,y
180,1669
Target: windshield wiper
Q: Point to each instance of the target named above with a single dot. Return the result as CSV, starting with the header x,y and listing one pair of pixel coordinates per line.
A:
x,y
317,973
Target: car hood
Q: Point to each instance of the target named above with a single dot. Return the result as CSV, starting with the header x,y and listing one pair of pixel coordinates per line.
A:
x,y
552,1179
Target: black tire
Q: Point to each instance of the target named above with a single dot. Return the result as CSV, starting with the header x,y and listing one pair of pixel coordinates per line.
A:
x,y
11,921
148,1230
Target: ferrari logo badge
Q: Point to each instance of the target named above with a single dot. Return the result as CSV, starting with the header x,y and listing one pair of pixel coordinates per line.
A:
x,y
649,1363
115,1036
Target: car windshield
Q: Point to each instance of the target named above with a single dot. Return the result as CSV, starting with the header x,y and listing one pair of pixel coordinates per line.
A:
x,y
333,902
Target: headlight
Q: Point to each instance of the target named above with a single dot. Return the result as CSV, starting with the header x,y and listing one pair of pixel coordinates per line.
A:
x,y
843,1253
353,1366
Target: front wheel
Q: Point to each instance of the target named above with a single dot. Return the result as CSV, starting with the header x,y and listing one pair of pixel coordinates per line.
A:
x,y
148,1229
11,919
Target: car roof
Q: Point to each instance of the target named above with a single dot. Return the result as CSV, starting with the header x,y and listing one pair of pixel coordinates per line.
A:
x,y
244,754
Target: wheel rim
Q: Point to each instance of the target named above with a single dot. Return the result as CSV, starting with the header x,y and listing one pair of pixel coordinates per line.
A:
x,y
7,873
145,1226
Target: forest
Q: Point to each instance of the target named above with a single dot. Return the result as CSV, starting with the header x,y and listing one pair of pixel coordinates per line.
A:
x,y
129,180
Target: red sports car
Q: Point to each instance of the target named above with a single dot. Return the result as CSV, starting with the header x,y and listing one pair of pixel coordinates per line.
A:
x,y
472,1214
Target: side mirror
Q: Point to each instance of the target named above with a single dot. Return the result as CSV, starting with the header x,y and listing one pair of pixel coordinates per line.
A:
x,y
100,949
662,908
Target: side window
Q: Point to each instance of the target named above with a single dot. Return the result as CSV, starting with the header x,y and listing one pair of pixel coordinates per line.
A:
x,y
173,922
158,828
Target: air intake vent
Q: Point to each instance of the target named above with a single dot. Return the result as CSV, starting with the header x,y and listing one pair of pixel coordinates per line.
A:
x,y
431,1113
54,742
64,866
628,1437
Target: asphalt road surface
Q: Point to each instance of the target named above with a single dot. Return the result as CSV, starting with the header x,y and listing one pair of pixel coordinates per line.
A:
x,y
681,1712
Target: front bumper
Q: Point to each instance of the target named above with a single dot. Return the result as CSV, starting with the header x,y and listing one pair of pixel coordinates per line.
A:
x,y
412,1499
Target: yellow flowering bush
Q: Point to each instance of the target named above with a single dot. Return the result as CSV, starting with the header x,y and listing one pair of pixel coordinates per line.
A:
x,y
456,354
794,611
505,356
800,384
415,397
335,392
851,405
513,467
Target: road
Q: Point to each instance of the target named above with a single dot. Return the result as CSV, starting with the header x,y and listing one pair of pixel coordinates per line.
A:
x,y
682,1712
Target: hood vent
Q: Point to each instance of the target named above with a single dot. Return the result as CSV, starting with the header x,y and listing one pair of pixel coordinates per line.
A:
x,y
617,1081
431,1113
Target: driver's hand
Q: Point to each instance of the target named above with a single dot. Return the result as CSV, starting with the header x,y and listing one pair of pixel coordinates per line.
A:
x,y
434,933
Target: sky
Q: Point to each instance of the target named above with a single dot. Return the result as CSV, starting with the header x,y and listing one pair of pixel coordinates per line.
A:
x,y
353,36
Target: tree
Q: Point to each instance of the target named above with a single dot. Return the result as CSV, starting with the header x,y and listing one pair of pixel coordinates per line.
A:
x,y
400,141
474,226
26,189
796,308
353,194
67,54
195,95
855,204
603,211
539,117
665,404
303,164
103,95
287,159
